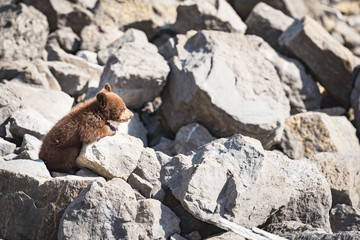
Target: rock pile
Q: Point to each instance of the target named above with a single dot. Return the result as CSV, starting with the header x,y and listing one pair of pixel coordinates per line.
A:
x,y
246,119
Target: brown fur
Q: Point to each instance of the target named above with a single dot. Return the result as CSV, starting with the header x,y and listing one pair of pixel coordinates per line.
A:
x,y
85,123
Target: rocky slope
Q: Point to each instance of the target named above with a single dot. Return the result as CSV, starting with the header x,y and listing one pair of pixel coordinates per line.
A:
x,y
247,116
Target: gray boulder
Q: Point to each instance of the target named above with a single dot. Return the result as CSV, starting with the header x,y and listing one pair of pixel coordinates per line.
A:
x,y
290,229
9,102
131,35
67,39
6,147
33,72
306,134
140,84
351,235
221,178
342,172
312,44
344,218
29,121
23,32
88,56
227,88
95,38
267,23
72,79
30,148
210,15
112,156
116,214
190,137
32,201
51,104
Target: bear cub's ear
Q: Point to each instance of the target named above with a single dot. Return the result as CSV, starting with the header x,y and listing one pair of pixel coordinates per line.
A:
x,y
107,87
101,99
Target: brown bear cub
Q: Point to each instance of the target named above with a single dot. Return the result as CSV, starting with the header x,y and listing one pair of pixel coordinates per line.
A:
x,y
85,123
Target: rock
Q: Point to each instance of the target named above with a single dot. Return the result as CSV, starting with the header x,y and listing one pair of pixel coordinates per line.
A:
x,y
146,175
220,179
312,44
267,23
29,121
226,236
190,137
134,128
67,39
344,218
195,94
144,15
115,213
308,133
6,147
34,204
177,237
131,35
30,148
51,104
140,84
329,236
35,73
9,102
295,9
72,79
355,99
114,156
65,13
290,229
55,53
95,38
23,32
300,88
165,146
88,56
210,15
342,172
33,168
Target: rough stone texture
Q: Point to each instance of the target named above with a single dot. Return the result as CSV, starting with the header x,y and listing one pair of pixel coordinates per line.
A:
x,y
23,32
344,218
110,210
65,13
328,236
35,73
88,56
33,168
9,102
342,172
166,146
194,92
300,88
29,121
226,236
6,147
34,204
135,128
308,133
51,104
72,79
148,16
113,156
295,9
67,39
210,15
30,148
290,229
140,84
190,137
330,62
267,23
95,38
355,100
131,35
221,178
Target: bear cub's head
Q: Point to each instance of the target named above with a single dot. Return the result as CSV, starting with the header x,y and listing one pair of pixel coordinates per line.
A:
x,y
112,105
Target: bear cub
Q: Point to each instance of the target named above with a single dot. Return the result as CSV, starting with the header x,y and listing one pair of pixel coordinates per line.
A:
x,y
85,123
